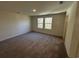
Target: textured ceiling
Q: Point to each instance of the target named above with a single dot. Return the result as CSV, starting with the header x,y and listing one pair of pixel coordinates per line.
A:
x,y
42,7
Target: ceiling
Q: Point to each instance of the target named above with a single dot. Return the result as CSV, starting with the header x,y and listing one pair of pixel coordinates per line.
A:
x,y
42,7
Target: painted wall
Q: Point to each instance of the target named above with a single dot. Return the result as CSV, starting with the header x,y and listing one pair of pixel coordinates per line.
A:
x,y
75,40
57,26
13,24
71,14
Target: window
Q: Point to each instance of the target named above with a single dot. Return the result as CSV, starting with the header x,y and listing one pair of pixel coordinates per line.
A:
x,y
40,23
48,23
44,23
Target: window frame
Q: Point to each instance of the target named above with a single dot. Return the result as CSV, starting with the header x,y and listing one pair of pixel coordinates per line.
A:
x,y
44,23
40,23
48,23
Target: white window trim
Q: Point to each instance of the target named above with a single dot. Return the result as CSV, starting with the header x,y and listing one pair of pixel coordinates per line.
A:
x,y
44,23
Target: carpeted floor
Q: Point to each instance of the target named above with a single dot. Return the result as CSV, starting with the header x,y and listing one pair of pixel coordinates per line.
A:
x,y
33,45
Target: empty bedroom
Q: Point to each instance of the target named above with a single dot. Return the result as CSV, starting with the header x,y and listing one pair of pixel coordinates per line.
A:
x,y
39,29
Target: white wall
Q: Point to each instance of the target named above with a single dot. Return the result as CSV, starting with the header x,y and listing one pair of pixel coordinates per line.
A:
x,y
71,13
75,40
13,24
57,26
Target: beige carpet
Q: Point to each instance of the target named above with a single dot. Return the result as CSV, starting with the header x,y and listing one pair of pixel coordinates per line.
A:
x,y
33,45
